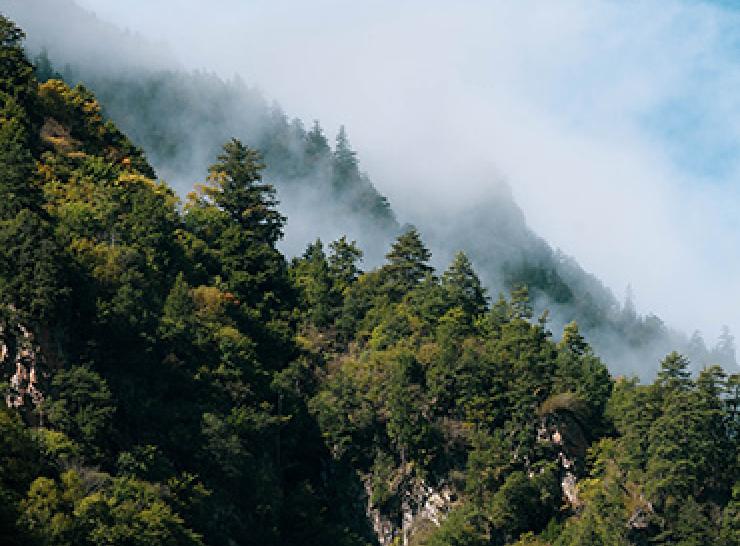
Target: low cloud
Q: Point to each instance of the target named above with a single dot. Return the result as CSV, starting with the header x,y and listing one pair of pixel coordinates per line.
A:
x,y
614,124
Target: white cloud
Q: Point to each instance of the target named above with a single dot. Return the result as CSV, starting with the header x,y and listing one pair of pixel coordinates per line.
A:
x,y
604,117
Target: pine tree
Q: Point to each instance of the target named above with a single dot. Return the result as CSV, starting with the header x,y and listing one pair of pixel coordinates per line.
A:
x,y
176,324
237,188
724,352
408,263
732,405
729,534
345,166
463,287
696,349
580,372
17,188
16,73
674,374
30,261
44,69
520,306
711,389
343,262
317,147
572,340
312,276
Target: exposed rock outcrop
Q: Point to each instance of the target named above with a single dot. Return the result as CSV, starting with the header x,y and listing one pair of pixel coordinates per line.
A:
x,y
21,358
420,505
563,431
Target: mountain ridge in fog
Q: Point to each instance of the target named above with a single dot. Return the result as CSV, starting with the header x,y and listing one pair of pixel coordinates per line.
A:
x,y
181,118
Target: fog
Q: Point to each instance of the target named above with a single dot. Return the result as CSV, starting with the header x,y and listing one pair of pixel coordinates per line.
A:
x,y
614,125
579,105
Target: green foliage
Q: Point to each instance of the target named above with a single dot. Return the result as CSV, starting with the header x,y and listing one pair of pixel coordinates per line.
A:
x,y
312,276
523,503
461,528
17,82
19,463
17,188
463,288
674,374
81,406
95,509
407,263
237,190
343,263
227,397
32,276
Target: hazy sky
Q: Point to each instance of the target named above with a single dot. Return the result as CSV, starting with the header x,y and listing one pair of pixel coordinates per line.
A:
x,y
616,124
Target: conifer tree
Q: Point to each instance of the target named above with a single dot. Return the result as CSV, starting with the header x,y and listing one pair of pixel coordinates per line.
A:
x,y
17,188
44,69
313,277
345,166
317,147
30,261
724,352
343,262
674,374
520,306
16,73
463,287
237,188
696,349
407,262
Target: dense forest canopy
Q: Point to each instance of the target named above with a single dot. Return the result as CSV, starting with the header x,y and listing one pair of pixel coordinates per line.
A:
x,y
172,378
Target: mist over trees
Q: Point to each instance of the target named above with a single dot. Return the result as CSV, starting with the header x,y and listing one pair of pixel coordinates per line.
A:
x,y
179,118
171,377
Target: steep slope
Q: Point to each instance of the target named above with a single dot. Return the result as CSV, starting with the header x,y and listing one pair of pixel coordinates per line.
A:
x,y
179,117
172,380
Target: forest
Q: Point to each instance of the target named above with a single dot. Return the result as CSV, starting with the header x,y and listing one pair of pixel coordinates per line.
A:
x,y
171,377
180,118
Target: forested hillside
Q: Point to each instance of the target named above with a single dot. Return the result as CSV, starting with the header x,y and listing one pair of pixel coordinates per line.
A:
x,y
171,378
180,118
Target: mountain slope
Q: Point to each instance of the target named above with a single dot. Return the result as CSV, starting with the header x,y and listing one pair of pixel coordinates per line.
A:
x,y
172,379
179,117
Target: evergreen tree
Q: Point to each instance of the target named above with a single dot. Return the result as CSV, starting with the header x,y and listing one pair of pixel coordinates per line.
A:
x,y
17,188
580,372
312,275
729,534
195,392
724,352
20,462
345,165
177,322
237,188
17,81
407,263
682,446
697,348
674,374
463,287
44,69
520,306
317,147
343,263
406,425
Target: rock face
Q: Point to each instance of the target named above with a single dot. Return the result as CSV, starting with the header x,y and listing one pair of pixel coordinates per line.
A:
x,y
566,435
21,357
421,505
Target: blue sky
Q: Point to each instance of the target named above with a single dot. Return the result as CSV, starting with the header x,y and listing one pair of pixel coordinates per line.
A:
x,y
616,123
